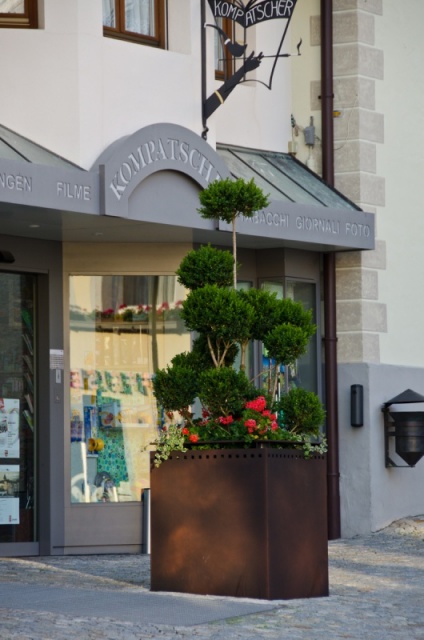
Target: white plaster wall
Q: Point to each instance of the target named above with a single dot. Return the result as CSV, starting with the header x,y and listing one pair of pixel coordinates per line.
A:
x,y
74,91
254,115
305,81
373,496
400,97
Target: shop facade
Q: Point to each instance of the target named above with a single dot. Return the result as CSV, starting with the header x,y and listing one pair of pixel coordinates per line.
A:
x,y
103,151
88,322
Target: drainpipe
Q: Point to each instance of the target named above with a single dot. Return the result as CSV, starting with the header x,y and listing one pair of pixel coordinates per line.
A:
x,y
203,46
330,326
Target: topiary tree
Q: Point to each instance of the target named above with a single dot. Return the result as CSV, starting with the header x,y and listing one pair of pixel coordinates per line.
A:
x,y
225,321
229,199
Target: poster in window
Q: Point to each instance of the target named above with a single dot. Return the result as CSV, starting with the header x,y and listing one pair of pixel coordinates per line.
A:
x,y
9,428
9,494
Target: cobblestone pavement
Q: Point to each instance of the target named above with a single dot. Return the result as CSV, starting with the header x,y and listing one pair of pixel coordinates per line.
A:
x,y
376,593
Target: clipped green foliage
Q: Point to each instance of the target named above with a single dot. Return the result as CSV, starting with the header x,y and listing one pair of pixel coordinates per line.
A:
x,y
301,411
289,312
227,199
206,266
222,315
224,391
285,343
265,307
176,387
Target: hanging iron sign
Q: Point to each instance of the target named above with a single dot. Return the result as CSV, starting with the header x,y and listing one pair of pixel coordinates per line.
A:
x,y
250,13
247,14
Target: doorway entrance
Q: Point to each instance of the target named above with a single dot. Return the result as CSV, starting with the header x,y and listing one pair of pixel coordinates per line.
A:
x,y
18,410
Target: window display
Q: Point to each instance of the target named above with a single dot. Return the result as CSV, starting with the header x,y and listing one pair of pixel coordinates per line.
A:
x,y
122,329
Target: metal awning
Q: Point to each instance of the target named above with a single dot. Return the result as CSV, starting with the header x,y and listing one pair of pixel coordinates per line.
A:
x,y
282,177
304,211
16,147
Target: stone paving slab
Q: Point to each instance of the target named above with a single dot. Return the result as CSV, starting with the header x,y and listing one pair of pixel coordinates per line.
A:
x,y
376,593
133,606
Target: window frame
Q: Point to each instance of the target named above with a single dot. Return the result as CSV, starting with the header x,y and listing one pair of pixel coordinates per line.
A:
x,y
26,20
228,26
120,33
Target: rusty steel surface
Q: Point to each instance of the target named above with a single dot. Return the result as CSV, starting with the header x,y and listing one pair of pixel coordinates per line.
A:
x,y
244,523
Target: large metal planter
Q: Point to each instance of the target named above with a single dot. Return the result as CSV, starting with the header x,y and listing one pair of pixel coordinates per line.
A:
x,y
242,522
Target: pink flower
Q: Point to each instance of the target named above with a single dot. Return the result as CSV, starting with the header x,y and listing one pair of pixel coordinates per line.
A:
x,y
274,426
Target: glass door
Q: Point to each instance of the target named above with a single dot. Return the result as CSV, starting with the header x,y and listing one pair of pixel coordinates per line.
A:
x,y
18,425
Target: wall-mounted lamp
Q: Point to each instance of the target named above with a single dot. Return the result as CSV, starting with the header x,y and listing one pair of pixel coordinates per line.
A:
x,y
407,427
6,257
357,405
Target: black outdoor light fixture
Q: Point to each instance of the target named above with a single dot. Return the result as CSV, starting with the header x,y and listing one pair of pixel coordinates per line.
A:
x,y
407,427
357,405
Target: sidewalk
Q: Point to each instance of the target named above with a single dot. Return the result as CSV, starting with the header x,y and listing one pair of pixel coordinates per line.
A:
x,y
376,592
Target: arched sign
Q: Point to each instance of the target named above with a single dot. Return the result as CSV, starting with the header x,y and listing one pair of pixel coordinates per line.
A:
x,y
158,147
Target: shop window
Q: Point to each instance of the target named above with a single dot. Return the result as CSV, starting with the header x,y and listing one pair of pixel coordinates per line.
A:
x,y
304,372
138,20
224,64
122,329
18,14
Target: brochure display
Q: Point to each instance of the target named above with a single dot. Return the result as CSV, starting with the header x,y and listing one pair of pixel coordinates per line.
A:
x,y
9,492
9,428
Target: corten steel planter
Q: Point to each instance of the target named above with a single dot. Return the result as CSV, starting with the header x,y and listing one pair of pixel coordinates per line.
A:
x,y
242,522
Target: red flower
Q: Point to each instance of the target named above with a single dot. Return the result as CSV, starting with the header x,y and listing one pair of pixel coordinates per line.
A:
x,y
226,420
250,423
194,437
274,426
267,412
258,404
205,413
185,431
